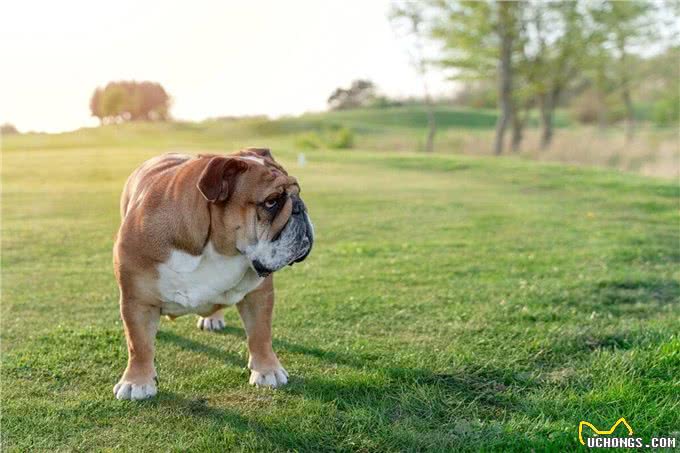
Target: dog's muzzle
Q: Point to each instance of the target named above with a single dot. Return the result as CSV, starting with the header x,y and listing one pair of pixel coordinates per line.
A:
x,y
292,245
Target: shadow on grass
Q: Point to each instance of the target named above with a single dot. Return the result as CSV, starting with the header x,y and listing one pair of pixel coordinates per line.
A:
x,y
370,382
198,347
631,291
249,429
394,408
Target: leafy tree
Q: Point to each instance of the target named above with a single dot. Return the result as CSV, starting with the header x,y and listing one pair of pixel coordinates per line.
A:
x,y
620,27
359,94
130,101
8,129
113,102
555,35
95,105
479,41
659,86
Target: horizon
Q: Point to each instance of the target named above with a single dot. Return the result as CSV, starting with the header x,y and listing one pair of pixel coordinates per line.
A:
x,y
60,60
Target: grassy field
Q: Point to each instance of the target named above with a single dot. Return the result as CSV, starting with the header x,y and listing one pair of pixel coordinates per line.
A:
x,y
451,303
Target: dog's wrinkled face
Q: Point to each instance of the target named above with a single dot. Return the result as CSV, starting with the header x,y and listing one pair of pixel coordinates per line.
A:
x,y
260,207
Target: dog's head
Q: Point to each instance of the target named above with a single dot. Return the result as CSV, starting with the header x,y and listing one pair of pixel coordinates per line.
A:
x,y
258,207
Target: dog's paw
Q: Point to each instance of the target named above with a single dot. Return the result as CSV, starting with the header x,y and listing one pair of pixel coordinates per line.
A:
x,y
212,323
276,377
126,390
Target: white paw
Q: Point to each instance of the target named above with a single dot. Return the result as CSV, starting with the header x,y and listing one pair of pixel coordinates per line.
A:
x,y
212,324
273,379
125,390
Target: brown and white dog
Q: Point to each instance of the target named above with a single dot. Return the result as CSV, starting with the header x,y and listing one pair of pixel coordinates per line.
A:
x,y
199,234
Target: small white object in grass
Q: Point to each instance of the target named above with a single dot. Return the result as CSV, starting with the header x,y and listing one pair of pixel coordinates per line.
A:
x,y
302,161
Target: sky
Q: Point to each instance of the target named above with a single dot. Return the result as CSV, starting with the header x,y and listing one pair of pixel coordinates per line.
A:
x,y
215,58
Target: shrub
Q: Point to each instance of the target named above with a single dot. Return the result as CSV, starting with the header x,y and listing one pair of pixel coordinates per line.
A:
x,y
342,138
336,137
308,140
666,111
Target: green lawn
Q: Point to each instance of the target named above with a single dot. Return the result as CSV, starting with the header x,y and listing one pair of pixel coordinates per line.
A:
x,y
450,303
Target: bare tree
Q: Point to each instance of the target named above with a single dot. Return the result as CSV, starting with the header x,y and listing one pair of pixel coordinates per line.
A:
x,y
408,16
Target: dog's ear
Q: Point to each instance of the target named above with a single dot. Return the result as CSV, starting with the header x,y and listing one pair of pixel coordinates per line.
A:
x,y
217,179
262,152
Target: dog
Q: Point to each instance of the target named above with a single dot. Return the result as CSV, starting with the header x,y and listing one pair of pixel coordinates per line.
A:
x,y
198,234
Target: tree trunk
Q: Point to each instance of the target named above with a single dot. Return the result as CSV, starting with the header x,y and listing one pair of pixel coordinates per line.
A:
x,y
517,131
432,127
548,102
625,88
602,112
505,33
630,114
601,87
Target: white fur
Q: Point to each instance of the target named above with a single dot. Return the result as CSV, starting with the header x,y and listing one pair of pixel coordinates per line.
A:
x,y
193,284
271,254
125,390
213,322
273,379
254,159
274,255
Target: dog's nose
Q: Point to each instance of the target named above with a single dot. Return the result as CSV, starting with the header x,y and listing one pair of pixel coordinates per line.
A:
x,y
261,270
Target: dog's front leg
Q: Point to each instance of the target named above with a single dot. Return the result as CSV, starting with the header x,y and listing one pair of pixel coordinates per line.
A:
x,y
141,324
256,311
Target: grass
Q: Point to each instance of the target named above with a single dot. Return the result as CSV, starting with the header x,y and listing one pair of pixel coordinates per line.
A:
x,y
451,304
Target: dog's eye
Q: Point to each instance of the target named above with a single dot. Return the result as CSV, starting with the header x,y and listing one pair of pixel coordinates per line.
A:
x,y
274,203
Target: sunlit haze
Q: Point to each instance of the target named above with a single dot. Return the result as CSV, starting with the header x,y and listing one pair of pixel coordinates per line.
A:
x,y
214,58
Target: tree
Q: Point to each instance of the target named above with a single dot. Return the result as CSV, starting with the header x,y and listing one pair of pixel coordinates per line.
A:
x,y
540,52
553,55
359,94
621,26
8,129
479,41
113,103
95,105
130,101
407,16
534,63
506,33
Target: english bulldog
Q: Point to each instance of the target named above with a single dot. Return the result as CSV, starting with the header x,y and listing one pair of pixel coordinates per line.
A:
x,y
198,234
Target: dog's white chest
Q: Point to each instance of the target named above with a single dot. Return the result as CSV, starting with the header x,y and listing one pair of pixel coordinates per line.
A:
x,y
193,284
